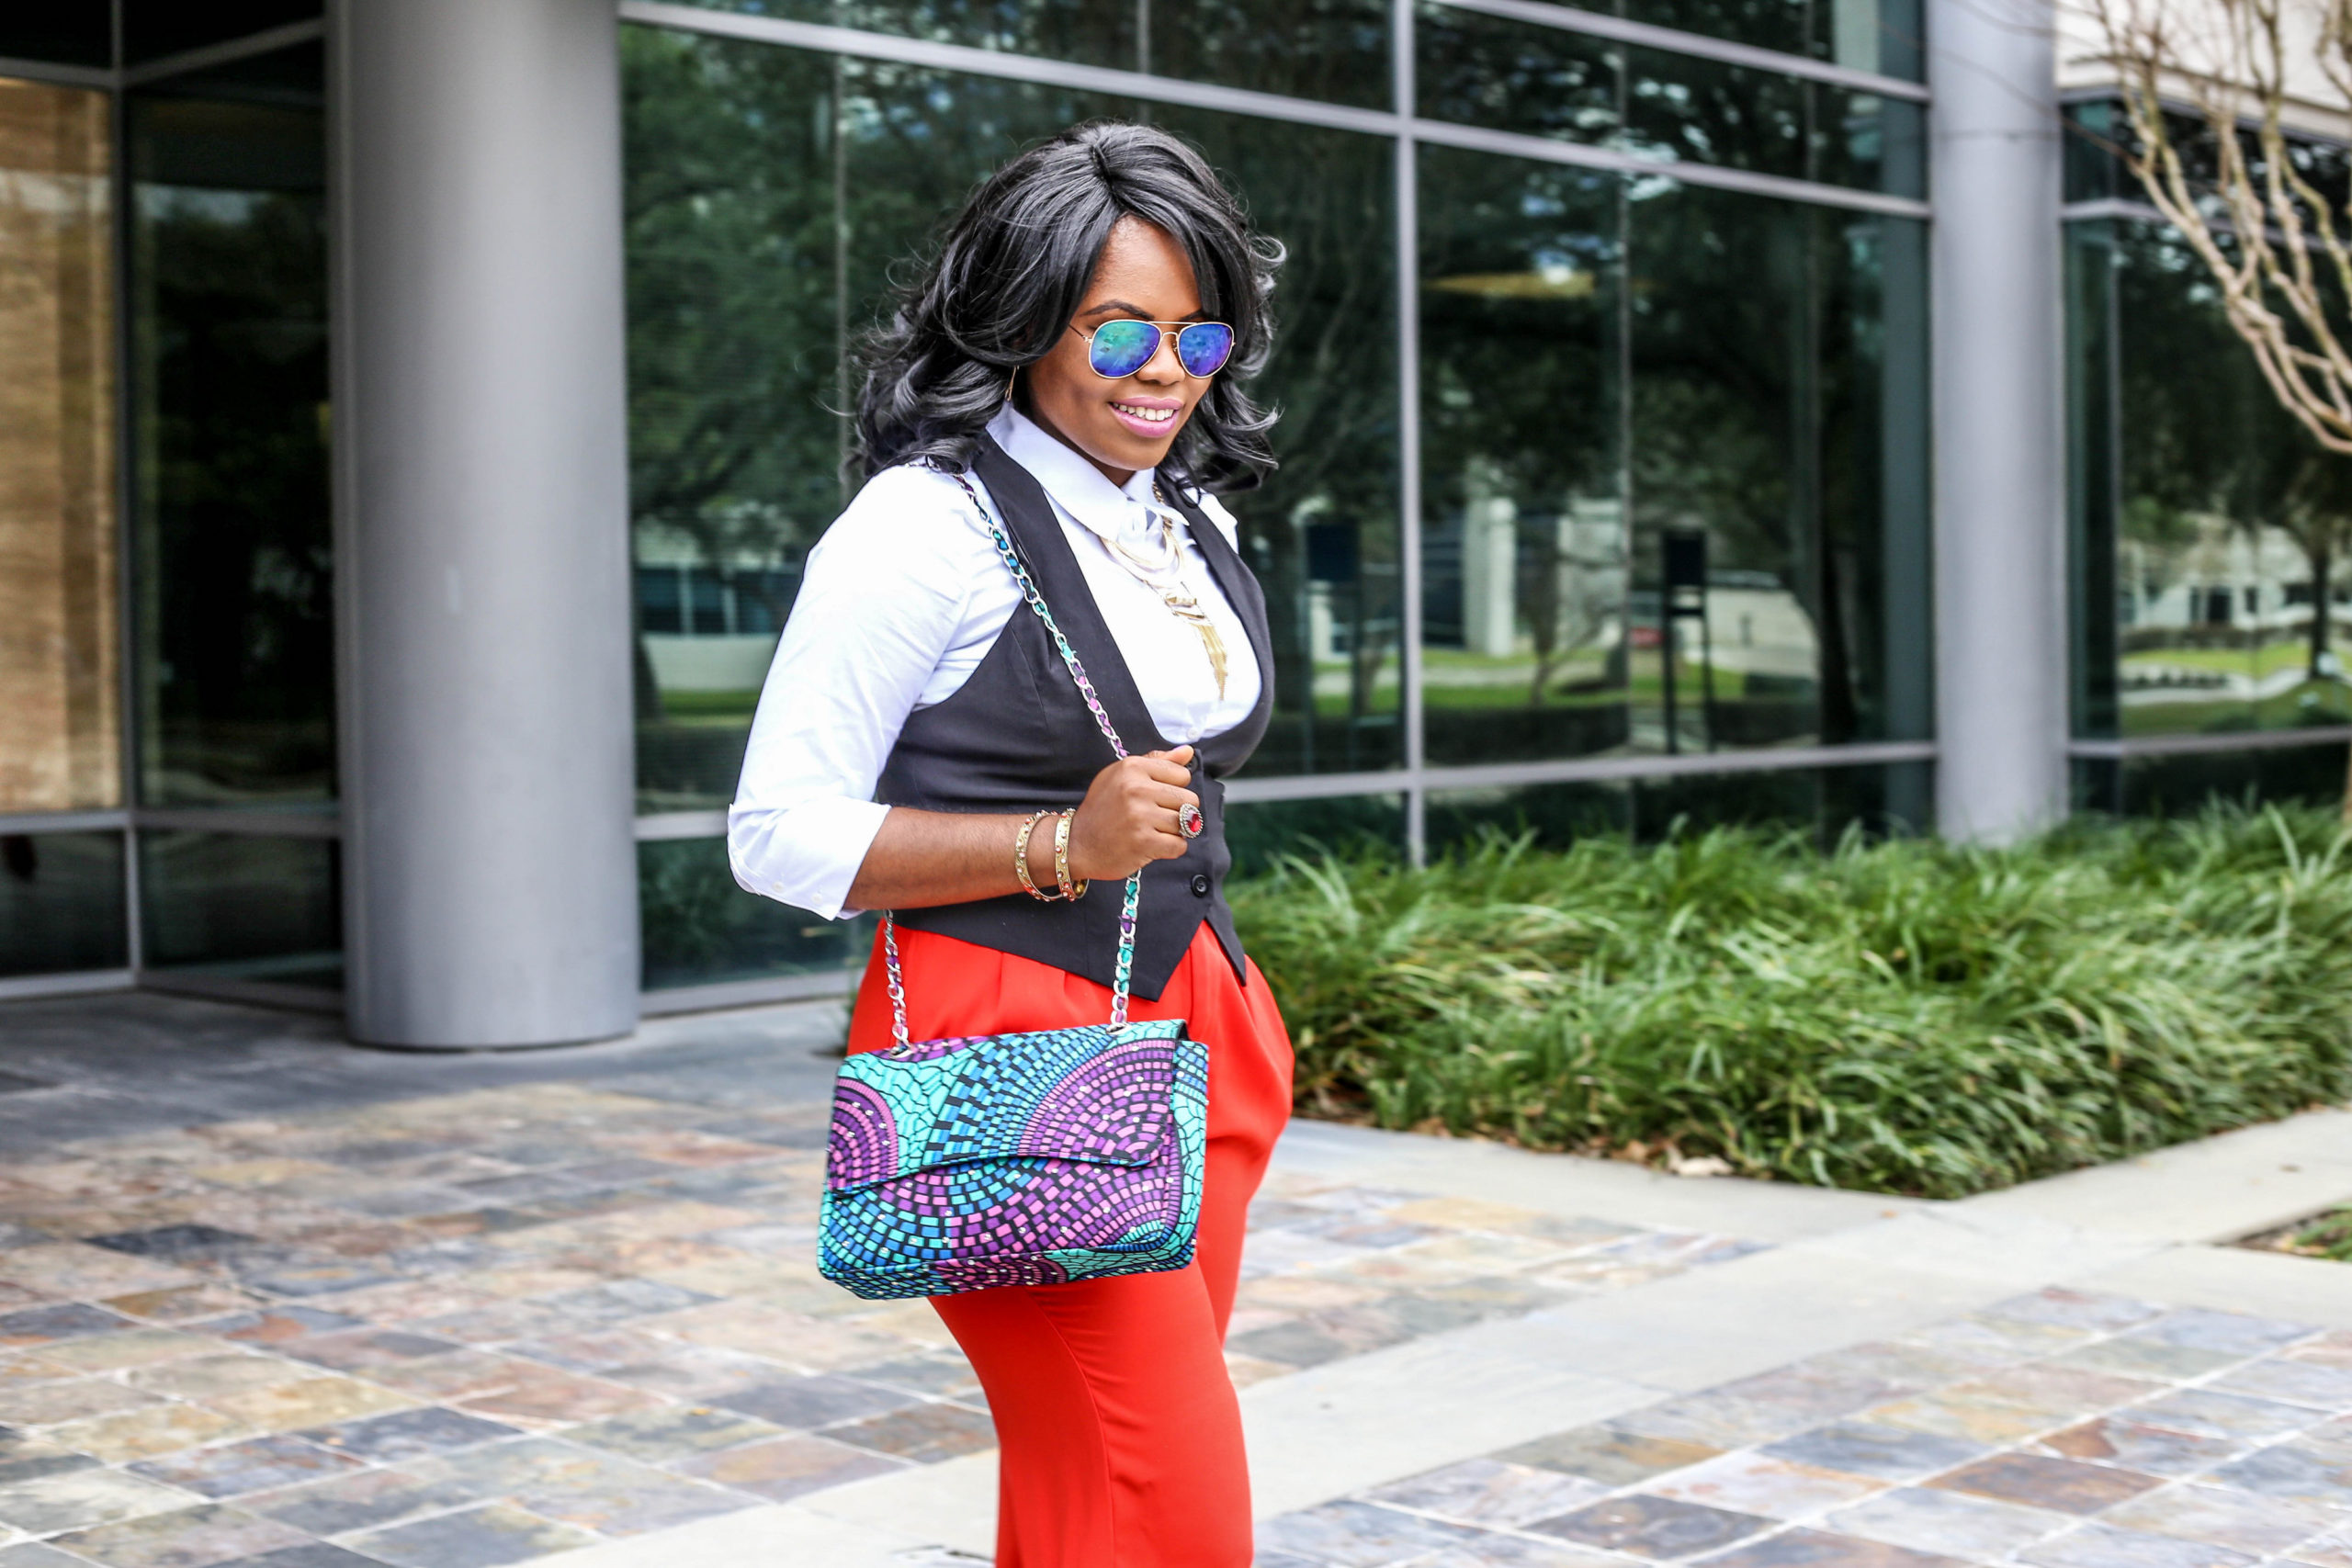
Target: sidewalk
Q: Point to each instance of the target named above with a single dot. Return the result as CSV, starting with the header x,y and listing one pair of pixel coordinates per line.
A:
x,y
268,1299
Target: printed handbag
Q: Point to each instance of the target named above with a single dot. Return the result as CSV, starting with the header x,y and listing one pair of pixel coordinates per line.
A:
x,y
1016,1159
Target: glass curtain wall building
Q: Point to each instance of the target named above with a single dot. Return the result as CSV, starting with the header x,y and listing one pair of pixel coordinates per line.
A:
x,y
167,781
405,471
2210,535
1602,368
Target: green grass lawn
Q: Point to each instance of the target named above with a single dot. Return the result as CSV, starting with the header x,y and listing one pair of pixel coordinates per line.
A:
x,y
1905,1017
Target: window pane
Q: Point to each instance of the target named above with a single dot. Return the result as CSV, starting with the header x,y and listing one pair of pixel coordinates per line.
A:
x,y
1323,532
2212,584
702,928
1895,798
71,32
153,28
1333,49
1882,36
1525,562
60,711
61,903
229,336
1541,81
251,908
1260,830
1778,471
2181,785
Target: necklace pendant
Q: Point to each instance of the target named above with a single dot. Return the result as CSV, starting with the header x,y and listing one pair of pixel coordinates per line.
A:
x,y
1214,645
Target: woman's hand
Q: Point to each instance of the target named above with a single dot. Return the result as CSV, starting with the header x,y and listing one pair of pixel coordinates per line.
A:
x,y
1128,817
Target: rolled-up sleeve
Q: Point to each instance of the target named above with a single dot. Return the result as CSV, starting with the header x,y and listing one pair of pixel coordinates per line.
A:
x,y
883,595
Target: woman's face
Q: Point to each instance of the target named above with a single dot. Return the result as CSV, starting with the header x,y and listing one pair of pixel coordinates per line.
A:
x,y
1125,425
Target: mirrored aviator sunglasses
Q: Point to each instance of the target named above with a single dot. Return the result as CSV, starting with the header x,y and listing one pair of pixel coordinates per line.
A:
x,y
1122,347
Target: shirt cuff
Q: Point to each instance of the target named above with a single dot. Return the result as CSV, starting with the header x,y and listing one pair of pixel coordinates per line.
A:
x,y
804,855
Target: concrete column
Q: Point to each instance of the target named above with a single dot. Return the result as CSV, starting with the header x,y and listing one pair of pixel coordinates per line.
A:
x,y
2001,570
481,532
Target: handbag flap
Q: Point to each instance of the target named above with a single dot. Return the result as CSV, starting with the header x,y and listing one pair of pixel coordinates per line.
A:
x,y
1098,1094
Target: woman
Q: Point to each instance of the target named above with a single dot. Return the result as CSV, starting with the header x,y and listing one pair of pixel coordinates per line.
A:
x,y
921,747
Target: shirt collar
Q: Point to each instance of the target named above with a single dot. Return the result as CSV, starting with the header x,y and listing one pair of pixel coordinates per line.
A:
x,y
1076,485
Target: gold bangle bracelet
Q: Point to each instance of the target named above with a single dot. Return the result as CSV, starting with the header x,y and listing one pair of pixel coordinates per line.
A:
x,y
1070,889
1021,859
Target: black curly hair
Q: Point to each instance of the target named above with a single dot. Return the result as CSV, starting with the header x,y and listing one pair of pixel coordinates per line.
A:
x,y
1012,271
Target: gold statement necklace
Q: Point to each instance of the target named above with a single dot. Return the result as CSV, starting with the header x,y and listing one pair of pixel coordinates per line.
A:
x,y
1160,571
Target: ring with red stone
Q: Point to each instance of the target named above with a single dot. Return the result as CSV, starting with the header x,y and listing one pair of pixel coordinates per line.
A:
x,y
1188,820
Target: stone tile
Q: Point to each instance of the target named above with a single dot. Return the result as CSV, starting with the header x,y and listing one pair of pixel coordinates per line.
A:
x,y
204,1377
1489,1550
618,1301
1998,1340
2226,1332
2291,1383
114,1352
456,1375
1609,1454
409,1434
812,1402
672,1432
946,1376
175,1244
311,1401
188,1538
1820,1549
784,1468
690,1373
2291,1470
1757,1483
1947,1521
2078,1310
1719,1419
2103,1546
73,1399
1489,1492
73,1268
2144,1358
2226,1517
1968,1415
364,1501
137,1434
588,1487
2332,1549
922,1434
69,1320
2046,1389
315,1554
2151,1450
83,1499
2064,1485
257,1464
1358,1535
1861,1448
485,1536
543,1396
1653,1527
357,1349
277,1325
2223,1415
35,1554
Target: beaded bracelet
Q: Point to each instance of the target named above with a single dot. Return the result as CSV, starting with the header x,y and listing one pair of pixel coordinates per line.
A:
x,y
1021,860
1071,890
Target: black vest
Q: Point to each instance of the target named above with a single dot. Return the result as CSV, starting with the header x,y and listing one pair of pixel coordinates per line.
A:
x,y
1016,737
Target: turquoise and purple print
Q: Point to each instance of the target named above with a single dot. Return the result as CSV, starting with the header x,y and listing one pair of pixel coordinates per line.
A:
x,y
1015,1159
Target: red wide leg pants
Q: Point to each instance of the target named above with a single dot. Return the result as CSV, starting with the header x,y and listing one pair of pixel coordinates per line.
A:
x,y
1119,1436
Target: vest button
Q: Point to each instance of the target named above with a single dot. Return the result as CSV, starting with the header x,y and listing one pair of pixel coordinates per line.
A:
x,y
1199,885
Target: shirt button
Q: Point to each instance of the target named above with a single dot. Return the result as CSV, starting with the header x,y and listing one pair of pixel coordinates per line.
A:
x,y
1199,885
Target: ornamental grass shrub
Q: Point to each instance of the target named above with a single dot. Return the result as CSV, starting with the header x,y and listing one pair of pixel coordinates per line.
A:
x,y
1910,1017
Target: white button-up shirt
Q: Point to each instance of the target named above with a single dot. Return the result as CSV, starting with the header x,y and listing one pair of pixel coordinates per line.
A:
x,y
898,603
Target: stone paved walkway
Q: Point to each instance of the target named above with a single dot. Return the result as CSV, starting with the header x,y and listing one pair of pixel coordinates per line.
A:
x,y
560,1308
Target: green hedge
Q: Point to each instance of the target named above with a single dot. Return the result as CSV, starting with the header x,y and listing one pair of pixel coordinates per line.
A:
x,y
1898,1017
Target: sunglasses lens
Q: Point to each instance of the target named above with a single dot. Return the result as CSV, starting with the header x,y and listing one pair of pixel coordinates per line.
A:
x,y
1121,349
1204,347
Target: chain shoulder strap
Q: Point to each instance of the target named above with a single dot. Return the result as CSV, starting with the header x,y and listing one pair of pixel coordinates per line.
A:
x,y
1121,975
